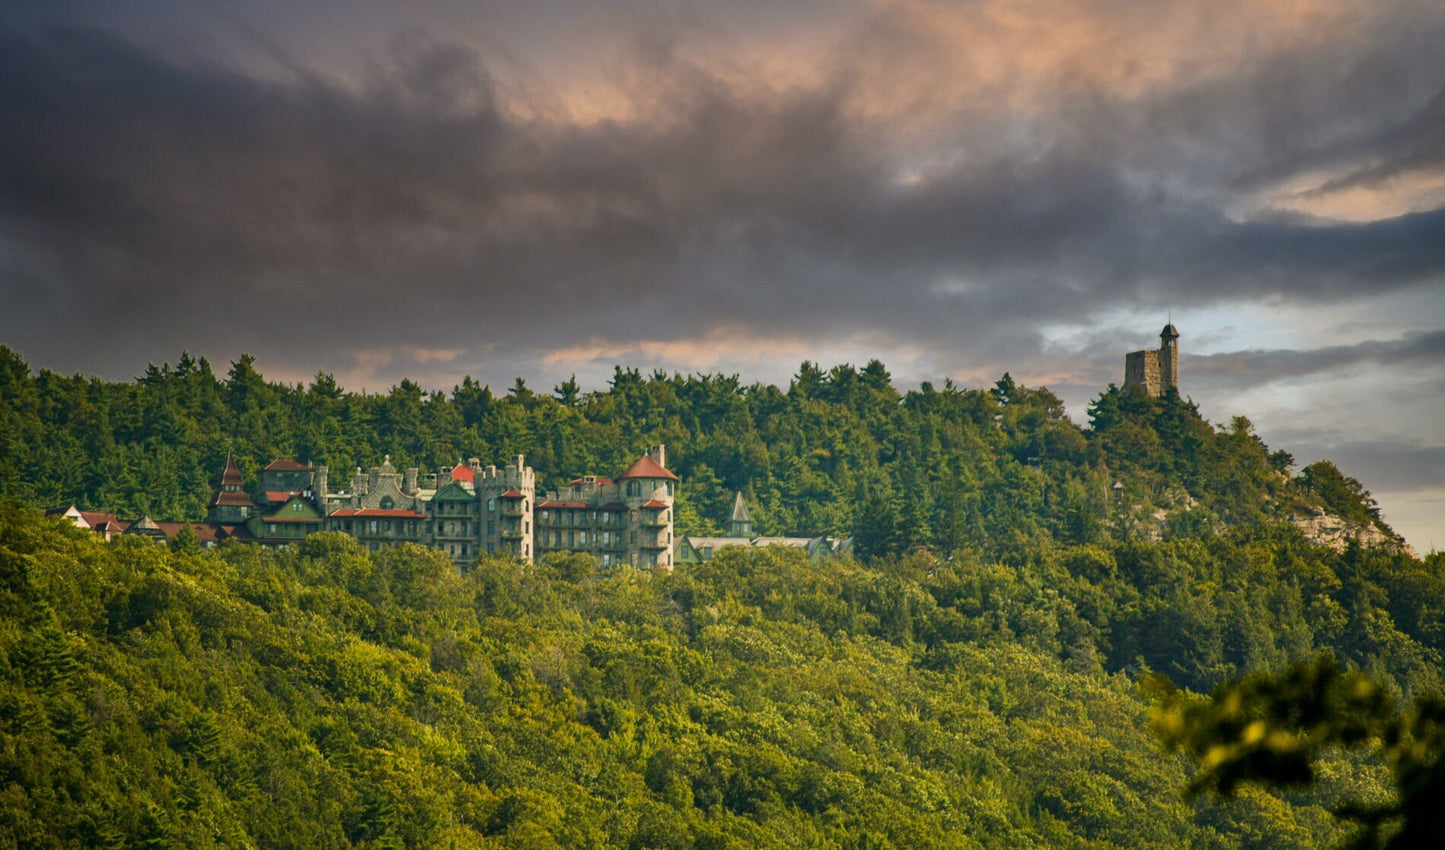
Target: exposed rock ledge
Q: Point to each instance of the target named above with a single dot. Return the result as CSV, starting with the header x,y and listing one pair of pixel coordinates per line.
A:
x,y
1336,533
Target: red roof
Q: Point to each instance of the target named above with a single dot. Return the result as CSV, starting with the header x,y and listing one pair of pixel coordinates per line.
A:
x,y
646,467
514,494
463,473
655,504
598,480
378,512
101,522
204,533
287,465
231,474
563,505
280,495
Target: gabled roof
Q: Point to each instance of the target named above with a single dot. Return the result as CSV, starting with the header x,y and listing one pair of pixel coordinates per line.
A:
x,y
102,521
740,510
231,474
286,464
654,504
280,495
513,494
298,509
453,491
646,467
204,533
462,472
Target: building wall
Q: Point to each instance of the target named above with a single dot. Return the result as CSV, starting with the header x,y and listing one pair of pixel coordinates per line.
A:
x,y
627,521
1141,369
623,521
505,524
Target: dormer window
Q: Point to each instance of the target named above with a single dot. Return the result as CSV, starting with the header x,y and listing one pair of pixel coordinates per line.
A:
x,y
387,503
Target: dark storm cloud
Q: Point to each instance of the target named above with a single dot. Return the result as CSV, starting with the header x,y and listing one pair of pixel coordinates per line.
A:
x,y
147,197
1416,352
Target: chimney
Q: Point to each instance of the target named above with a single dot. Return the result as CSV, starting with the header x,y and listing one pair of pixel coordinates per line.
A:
x,y
408,482
659,454
319,482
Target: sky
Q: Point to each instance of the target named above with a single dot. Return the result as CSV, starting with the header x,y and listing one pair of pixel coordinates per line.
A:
x,y
541,188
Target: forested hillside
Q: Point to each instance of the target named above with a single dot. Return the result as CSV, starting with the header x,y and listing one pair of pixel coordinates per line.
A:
x,y
839,452
324,696
969,680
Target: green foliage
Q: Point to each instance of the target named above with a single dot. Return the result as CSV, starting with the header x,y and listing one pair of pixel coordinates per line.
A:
x,y
967,682
1273,729
324,695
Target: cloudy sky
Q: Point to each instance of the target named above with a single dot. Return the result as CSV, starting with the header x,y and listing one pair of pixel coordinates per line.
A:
x,y
537,188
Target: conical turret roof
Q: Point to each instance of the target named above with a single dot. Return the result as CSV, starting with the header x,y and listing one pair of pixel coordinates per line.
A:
x,y
231,475
646,467
740,510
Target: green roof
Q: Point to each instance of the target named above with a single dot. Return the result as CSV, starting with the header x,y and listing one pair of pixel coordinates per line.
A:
x,y
453,492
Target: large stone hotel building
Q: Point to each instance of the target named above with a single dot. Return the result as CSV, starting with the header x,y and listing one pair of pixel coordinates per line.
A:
x,y
465,510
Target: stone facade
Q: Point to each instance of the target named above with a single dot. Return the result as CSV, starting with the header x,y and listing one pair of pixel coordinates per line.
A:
x,y
626,520
1155,371
465,510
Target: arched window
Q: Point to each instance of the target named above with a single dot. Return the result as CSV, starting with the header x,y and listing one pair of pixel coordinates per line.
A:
x,y
387,503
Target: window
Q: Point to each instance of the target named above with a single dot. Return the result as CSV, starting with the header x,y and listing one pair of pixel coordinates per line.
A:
x,y
491,506
546,513
387,503
582,538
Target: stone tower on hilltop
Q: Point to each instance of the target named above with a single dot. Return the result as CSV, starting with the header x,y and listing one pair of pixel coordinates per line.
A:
x,y
1155,371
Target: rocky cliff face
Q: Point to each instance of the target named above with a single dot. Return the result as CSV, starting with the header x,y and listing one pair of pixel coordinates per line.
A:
x,y
1332,531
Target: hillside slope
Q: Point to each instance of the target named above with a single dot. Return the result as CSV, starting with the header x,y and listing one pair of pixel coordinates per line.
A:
x,y
329,697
